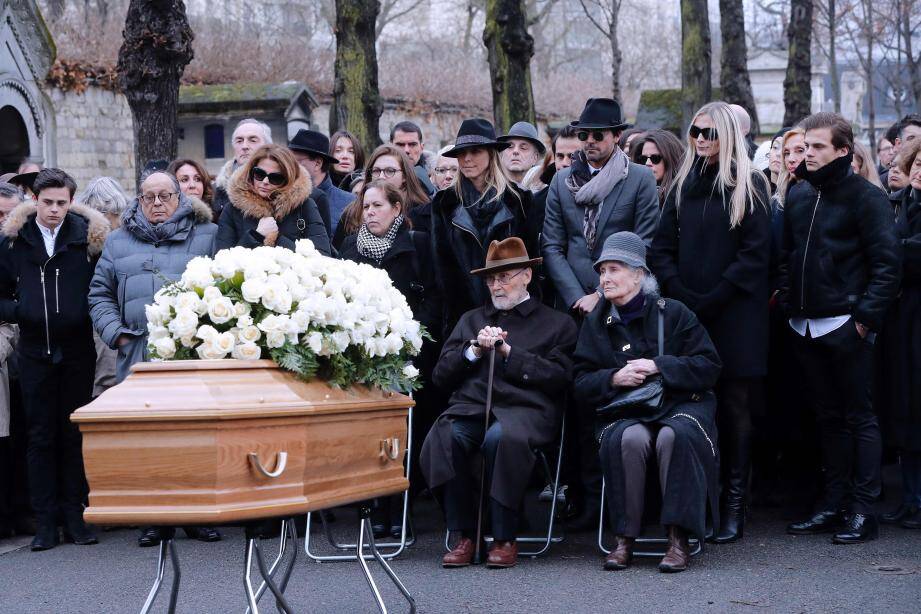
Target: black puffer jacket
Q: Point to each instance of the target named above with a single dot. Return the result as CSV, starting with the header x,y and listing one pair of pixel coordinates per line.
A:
x,y
840,254
458,248
47,296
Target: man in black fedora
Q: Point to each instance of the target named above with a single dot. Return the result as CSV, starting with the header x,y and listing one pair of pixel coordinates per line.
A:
x,y
311,149
601,193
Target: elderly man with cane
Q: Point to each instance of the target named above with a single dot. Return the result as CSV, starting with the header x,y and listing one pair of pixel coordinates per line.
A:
x,y
507,365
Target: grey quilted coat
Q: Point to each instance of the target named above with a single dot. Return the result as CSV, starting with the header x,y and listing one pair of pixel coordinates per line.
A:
x,y
134,265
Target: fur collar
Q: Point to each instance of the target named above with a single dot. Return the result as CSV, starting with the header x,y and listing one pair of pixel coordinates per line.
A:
x,y
223,176
284,202
97,225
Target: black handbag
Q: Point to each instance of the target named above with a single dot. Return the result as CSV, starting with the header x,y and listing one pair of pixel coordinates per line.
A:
x,y
646,401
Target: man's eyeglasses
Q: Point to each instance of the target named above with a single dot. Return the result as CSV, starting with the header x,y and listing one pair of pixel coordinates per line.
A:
x,y
709,134
503,279
444,170
164,197
654,158
259,174
598,135
386,173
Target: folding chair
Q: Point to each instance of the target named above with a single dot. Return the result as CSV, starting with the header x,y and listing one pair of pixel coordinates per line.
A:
x,y
396,546
543,541
693,542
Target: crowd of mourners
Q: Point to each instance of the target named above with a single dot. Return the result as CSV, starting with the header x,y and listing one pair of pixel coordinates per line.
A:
x,y
715,322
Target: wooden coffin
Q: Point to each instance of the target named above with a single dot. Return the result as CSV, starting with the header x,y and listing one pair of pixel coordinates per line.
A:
x,y
182,443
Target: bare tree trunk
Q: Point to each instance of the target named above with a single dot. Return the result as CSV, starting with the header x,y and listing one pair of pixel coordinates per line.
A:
x,y
797,85
870,71
156,49
833,54
616,58
357,103
734,79
509,49
696,88
911,62
468,27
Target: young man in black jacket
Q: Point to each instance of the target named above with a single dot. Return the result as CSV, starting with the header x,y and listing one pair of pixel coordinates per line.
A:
x,y
839,274
48,252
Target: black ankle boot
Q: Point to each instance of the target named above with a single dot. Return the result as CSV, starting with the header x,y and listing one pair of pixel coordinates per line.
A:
x,y
732,515
46,535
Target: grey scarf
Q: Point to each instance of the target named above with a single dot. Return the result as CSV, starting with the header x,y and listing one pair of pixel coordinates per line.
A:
x,y
138,224
374,247
590,192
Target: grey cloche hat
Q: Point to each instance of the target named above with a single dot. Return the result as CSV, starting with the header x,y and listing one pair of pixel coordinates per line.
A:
x,y
625,247
526,131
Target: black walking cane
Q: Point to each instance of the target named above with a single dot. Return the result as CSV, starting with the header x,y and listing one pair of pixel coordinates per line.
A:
x,y
477,553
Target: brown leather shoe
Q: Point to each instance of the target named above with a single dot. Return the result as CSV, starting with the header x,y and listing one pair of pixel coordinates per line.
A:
x,y
461,555
622,555
502,554
679,552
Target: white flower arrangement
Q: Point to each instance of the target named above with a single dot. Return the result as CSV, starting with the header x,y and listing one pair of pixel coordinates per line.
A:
x,y
313,315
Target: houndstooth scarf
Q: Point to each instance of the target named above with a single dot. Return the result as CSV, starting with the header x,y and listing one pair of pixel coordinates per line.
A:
x,y
374,247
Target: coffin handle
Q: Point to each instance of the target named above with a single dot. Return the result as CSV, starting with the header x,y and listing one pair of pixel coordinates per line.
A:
x,y
280,464
390,448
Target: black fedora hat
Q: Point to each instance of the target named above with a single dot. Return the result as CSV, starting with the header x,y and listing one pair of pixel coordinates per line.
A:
x,y
312,142
476,132
601,113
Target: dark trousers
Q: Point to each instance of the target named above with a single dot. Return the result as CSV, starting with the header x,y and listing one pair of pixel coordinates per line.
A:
x,y
734,419
50,393
459,493
910,461
839,368
636,447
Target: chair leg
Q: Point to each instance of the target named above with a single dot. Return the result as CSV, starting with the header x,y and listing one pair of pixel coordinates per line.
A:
x,y
167,549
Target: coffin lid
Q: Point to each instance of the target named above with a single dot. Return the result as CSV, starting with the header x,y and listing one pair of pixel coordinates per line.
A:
x,y
226,390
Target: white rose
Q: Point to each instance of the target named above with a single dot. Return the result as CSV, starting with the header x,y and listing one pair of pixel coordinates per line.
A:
x,y
209,351
165,347
276,296
225,342
156,332
188,340
247,351
206,333
249,334
340,340
275,339
242,309
393,343
187,300
315,342
304,247
253,289
225,264
198,273
156,314
211,293
221,310
184,324
244,321
410,371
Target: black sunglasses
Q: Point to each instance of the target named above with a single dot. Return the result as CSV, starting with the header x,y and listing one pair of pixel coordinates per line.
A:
x,y
656,159
709,134
274,178
598,135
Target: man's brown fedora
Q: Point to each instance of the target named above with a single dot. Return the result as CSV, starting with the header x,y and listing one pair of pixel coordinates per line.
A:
x,y
506,254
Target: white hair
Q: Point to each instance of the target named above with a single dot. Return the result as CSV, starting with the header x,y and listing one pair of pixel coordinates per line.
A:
x,y
649,284
266,130
105,195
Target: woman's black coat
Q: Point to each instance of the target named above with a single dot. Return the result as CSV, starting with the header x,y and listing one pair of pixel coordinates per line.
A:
x,y
689,367
458,249
900,364
409,264
721,273
294,211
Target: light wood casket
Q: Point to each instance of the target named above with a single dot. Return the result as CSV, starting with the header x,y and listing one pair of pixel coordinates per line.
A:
x,y
181,443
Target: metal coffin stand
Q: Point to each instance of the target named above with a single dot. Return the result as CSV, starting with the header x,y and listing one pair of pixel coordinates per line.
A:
x,y
694,543
397,547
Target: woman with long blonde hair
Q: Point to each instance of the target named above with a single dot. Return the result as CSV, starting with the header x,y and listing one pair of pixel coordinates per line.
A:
x,y
712,252
482,206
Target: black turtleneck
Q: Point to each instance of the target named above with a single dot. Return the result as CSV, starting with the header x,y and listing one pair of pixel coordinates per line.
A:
x,y
830,174
632,309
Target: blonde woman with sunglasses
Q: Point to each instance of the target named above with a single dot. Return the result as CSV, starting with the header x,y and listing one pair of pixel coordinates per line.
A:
x,y
712,252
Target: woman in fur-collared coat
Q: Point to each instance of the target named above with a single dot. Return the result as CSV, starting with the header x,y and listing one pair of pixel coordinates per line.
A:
x,y
270,204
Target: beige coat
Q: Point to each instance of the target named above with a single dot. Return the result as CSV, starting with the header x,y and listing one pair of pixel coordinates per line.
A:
x,y
9,333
